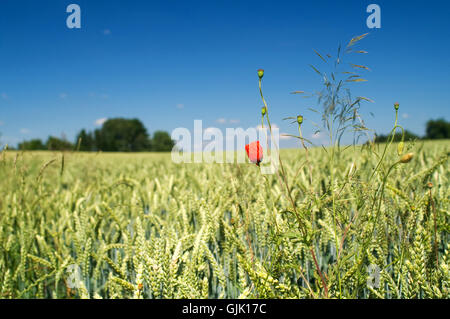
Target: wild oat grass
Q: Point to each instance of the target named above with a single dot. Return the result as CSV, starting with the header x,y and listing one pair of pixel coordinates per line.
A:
x,y
140,226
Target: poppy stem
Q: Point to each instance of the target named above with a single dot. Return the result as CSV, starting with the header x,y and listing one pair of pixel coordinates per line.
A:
x,y
283,179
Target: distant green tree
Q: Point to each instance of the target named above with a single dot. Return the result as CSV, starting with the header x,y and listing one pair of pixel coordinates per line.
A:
x,y
31,145
397,137
161,142
437,129
87,141
57,144
98,140
122,135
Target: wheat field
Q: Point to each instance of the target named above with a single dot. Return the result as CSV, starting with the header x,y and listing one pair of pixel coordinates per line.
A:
x,y
137,225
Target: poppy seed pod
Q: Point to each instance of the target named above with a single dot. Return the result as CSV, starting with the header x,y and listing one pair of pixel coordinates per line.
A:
x,y
263,111
260,73
299,119
396,105
406,158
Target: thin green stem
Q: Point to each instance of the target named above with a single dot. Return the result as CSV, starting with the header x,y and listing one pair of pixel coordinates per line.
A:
x,y
306,154
391,135
288,190
336,240
380,198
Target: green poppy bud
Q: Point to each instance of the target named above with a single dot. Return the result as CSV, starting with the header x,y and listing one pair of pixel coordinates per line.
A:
x,y
299,119
260,73
263,111
396,105
400,148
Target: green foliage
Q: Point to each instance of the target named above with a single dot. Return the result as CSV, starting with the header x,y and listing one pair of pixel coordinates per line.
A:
x,y
122,135
31,145
397,137
161,142
52,144
437,129
57,144
85,141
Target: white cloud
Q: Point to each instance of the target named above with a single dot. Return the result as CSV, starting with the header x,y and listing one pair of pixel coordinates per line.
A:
x,y
99,122
106,31
4,96
405,115
24,131
62,95
223,120
180,105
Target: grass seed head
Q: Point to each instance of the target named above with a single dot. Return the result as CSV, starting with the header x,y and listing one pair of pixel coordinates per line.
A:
x,y
396,106
299,119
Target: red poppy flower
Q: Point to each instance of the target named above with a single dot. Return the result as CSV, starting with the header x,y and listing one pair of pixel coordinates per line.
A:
x,y
254,152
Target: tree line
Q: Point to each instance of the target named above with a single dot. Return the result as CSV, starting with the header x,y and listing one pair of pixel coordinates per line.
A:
x,y
115,135
435,130
130,135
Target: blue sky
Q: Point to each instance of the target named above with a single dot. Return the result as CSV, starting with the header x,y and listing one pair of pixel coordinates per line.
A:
x,y
171,62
